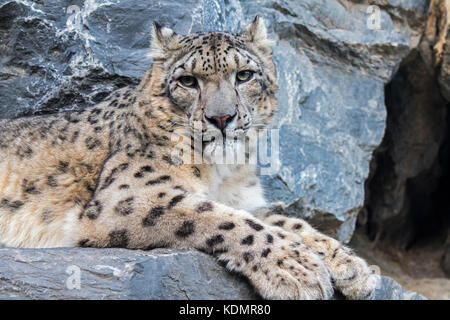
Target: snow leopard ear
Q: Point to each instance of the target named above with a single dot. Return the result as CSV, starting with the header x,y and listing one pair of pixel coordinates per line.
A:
x,y
163,41
256,34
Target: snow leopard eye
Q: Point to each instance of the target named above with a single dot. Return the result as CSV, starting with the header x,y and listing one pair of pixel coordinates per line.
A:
x,y
244,76
188,81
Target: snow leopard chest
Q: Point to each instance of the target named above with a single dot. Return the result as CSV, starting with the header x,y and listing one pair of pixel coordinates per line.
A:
x,y
235,186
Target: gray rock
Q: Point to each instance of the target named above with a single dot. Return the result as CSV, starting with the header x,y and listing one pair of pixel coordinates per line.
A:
x,y
403,199
333,60
389,289
115,274
75,273
406,195
444,75
440,12
332,112
445,262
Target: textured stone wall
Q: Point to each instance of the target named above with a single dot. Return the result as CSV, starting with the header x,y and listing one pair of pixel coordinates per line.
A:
x,y
333,57
333,60
407,193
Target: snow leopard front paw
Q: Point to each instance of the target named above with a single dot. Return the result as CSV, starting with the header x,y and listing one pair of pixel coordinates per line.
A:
x,y
284,269
351,274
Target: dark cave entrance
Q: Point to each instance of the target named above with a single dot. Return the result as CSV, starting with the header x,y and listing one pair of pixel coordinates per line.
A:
x,y
407,201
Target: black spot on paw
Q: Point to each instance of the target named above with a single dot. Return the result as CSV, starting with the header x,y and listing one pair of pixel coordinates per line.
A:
x,y
125,207
119,238
204,206
248,240
92,143
29,187
114,103
279,223
186,229
215,240
92,210
93,116
4,203
158,180
175,200
226,226
143,170
24,152
75,136
13,205
85,243
248,256
51,181
265,252
108,115
16,204
254,225
153,215
297,226
269,238
334,253
89,187
113,174
63,166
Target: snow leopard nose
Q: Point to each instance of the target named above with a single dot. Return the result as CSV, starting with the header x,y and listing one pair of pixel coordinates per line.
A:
x,y
221,122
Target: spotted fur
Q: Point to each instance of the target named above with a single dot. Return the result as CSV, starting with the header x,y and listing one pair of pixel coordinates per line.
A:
x,y
108,176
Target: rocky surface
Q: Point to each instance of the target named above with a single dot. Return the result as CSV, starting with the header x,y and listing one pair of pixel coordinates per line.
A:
x,y
404,200
445,262
438,35
418,269
333,58
115,274
130,274
407,193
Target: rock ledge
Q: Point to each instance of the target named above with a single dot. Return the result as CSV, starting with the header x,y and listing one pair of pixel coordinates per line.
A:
x,y
75,273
